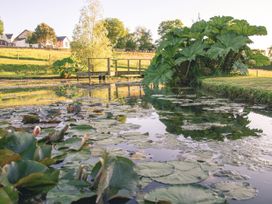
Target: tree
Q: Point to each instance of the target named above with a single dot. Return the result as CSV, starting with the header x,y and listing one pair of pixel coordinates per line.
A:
x,y
116,30
144,39
131,42
1,27
219,45
90,35
166,26
43,35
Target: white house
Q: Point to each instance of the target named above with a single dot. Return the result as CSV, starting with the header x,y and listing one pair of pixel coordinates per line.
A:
x,y
63,42
20,40
6,40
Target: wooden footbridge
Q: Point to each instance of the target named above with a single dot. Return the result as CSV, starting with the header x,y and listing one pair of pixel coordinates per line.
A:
x,y
106,67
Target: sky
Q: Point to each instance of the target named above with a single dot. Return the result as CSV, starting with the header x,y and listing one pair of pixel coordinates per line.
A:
x,y
62,15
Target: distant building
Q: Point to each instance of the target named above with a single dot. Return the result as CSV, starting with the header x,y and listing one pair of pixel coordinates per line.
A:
x,y
63,42
21,40
6,40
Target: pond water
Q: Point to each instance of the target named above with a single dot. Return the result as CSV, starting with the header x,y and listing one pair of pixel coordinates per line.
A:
x,y
234,138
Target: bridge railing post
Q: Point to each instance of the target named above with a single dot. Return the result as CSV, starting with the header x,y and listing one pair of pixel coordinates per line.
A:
x,y
116,67
140,66
128,64
89,70
108,65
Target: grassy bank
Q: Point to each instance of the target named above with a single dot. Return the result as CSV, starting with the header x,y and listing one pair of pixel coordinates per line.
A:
x,y
37,63
249,89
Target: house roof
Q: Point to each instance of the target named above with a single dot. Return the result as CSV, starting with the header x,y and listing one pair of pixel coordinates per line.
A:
x,y
61,38
9,36
23,35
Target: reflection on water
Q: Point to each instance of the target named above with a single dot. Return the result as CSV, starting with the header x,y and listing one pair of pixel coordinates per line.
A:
x,y
182,122
45,96
182,112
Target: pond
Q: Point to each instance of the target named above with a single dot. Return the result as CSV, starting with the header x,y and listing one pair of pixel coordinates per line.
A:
x,y
231,140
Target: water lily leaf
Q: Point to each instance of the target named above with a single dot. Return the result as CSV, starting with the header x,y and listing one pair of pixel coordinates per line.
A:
x,y
154,169
57,135
184,165
183,195
194,175
186,172
8,195
236,190
115,174
66,193
21,143
31,175
7,156
30,119
42,152
81,129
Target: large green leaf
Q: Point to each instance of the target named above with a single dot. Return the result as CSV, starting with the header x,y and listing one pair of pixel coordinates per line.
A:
x,y
185,173
31,175
7,156
154,169
115,174
236,190
242,27
67,192
19,142
8,195
183,195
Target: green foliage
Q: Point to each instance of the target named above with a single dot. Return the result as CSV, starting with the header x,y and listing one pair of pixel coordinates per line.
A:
x,y
144,39
128,42
31,176
1,27
217,45
65,67
166,26
116,30
43,35
8,195
258,59
24,167
113,174
90,35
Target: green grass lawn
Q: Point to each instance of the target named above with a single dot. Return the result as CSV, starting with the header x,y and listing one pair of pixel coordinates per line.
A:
x,y
248,88
263,83
37,63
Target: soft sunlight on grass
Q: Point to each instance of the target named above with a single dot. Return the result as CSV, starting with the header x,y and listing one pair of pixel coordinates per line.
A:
x,y
260,73
264,83
38,62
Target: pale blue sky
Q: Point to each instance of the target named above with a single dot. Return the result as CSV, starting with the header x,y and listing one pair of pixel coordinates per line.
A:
x,y
62,15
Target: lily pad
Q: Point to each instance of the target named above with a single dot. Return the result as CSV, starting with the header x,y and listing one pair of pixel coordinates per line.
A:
x,y
66,193
236,190
194,175
154,169
183,195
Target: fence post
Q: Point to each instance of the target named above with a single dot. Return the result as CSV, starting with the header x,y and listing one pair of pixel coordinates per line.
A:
x,y
257,73
140,65
108,64
128,64
89,73
116,71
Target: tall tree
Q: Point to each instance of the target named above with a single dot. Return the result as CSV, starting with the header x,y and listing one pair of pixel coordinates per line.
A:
x,y
43,35
166,26
90,35
144,39
116,30
1,27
